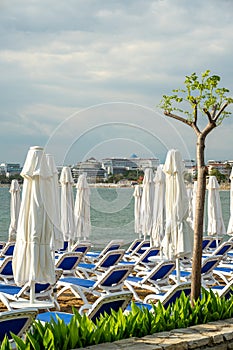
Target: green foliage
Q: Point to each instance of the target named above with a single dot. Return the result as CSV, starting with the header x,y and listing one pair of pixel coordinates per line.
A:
x,y
5,344
219,176
199,95
82,332
7,180
115,178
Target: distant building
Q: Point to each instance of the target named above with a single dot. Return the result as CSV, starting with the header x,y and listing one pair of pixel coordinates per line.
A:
x,y
118,165
144,163
10,169
189,163
92,168
224,167
190,167
122,165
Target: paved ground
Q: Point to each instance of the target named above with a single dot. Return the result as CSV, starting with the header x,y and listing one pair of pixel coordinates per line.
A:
x,y
215,335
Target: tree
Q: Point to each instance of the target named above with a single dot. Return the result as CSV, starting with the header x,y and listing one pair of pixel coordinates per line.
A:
x,y
219,176
204,98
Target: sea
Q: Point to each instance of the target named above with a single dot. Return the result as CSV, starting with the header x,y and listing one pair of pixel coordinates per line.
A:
x,y
112,214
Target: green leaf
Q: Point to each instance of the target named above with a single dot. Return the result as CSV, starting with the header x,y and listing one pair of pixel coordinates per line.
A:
x,y
5,345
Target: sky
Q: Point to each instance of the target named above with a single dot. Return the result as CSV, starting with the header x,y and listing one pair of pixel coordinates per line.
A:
x,y
84,78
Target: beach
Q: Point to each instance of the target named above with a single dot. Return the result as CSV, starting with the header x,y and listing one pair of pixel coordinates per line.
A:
x,y
67,301
112,215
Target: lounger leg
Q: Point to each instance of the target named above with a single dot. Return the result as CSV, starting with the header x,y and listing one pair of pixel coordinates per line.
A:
x,y
136,297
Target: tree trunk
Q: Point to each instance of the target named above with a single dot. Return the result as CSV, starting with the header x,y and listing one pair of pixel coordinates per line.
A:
x,y
199,219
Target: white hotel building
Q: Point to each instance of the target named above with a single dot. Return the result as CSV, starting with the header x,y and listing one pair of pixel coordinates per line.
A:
x,y
120,165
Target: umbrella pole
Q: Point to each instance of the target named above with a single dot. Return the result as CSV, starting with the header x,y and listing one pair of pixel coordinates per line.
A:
x,y
151,241
161,252
178,270
32,292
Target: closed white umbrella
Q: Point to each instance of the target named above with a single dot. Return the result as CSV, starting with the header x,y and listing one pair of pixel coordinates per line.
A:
x,y
147,202
230,224
178,239
54,208
14,209
194,202
137,209
82,209
159,207
190,200
67,205
215,225
32,258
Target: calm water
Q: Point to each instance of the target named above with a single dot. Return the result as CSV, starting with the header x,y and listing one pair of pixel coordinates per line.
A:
x,y
112,213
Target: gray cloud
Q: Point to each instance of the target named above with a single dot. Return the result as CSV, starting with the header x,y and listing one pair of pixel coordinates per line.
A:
x,y
57,58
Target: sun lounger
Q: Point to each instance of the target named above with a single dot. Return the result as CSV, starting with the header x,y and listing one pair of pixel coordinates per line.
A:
x,y
208,265
104,304
110,281
140,249
43,291
206,241
153,281
2,245
16,321
225,291
111,258
143,262
133,245
64,248
6,271
68,262
221,250
81,248
166,298
112,245
7,250
224,272
214,243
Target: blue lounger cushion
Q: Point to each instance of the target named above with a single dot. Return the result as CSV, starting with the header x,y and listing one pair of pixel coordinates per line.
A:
x,y
52,315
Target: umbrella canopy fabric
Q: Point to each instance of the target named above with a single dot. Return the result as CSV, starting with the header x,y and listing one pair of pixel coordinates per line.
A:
x,y
178,239
215,220
194,202
230,224
14,209
32,258
158,228
82,208
137,209
147,202
55,206
67,204
189,188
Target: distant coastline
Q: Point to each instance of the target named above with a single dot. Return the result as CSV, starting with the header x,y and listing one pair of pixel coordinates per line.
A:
x,y
223,187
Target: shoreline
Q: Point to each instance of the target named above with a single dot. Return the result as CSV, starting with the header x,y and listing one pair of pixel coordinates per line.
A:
x,y
222,187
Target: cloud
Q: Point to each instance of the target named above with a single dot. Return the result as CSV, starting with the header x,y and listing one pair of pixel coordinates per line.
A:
x,y
58,58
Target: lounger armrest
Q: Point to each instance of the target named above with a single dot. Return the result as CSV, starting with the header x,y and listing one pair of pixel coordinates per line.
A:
x,y
84,308
153,298
23,290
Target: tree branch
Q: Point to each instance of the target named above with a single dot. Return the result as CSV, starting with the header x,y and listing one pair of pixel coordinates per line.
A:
x,y
220,111
214,111
195,114
208,115
177,117
185,121
195,128
210,126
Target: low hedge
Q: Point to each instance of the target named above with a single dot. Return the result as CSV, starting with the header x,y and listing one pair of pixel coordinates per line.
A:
x,y
82,332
